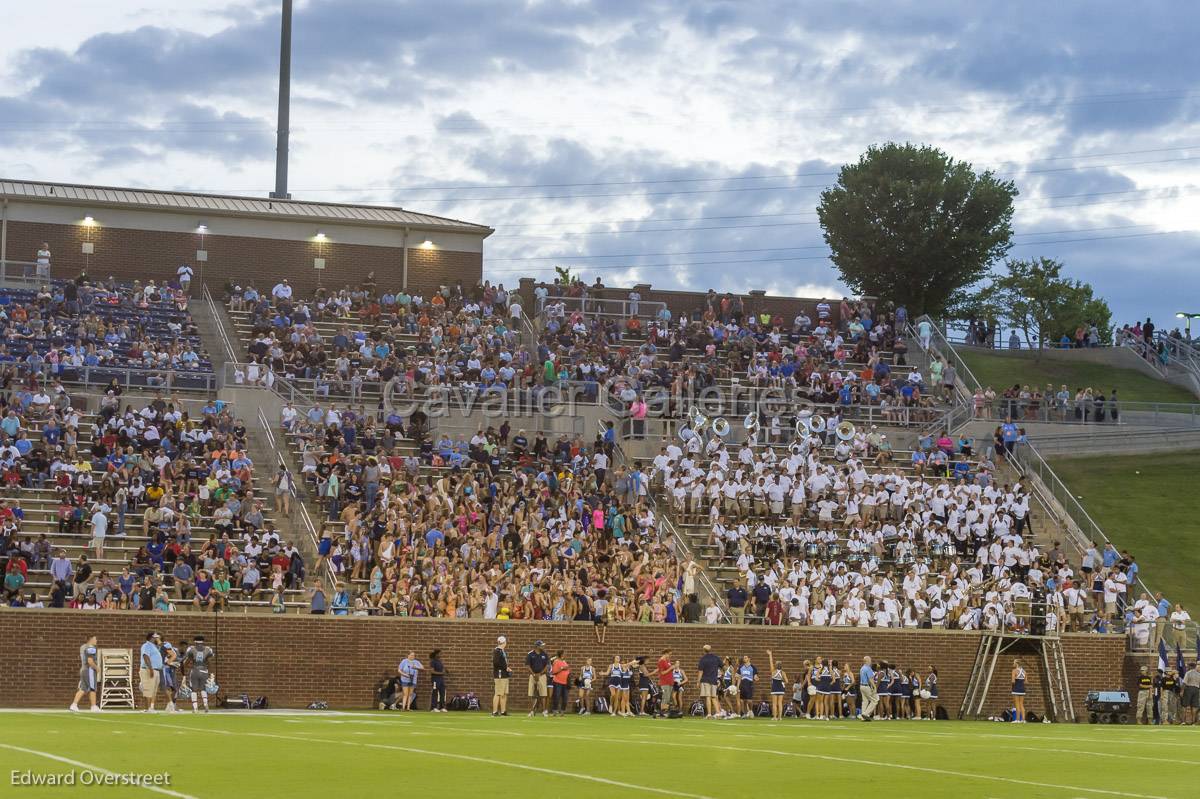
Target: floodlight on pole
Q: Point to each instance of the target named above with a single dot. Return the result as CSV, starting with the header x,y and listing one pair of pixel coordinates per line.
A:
x,y
285,90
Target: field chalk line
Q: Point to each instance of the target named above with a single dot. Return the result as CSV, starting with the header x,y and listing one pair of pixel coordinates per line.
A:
x,y
97,769
431,753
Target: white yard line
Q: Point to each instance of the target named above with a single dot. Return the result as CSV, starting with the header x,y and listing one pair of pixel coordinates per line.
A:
x,y
856,761
1173,761
432,753
96,769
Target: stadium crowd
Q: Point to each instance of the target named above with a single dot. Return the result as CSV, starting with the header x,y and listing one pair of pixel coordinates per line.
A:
x,y
164,502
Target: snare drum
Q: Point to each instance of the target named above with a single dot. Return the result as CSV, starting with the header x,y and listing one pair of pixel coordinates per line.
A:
x,y
833,550
813,550
937,549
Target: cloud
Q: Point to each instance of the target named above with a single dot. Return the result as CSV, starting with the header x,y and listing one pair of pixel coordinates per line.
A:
x,y
668,110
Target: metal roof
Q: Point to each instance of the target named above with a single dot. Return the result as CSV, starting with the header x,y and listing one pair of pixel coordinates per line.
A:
x,y
219,204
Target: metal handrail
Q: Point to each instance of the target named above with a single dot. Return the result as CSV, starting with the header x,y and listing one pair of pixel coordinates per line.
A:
x,y
1053,493
330,575
212,307
678,541
605,306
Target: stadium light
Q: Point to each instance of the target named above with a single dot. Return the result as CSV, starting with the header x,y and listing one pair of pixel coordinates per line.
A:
x,y
1187,321
427,244
320,235
88,221
201,228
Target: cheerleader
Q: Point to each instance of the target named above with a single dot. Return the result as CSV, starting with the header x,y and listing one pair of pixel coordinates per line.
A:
x,y
747,676
835,690
931,685
906,694
816,699
626,685
643,681
614,685
1018,690
727,690
680,679
885,691
807,702
825,690
586,675
849,683
914,690
778,686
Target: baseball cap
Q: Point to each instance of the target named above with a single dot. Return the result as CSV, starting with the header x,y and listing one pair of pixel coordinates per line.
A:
x,y
539,644
501,640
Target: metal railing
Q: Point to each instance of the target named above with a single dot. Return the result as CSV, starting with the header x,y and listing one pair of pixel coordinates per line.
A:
x,y
604,306
129,378
1088,413
966,381
215,310
21,274
1052,493
679,542
330,576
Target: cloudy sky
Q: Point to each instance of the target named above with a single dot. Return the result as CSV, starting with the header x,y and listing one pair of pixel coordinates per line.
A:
x,y
677,142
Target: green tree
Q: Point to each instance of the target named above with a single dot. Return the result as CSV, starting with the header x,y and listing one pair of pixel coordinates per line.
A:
x,y
1036,299
913,225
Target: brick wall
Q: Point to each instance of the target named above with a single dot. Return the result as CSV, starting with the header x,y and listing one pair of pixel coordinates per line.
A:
x,y
143,254
295,659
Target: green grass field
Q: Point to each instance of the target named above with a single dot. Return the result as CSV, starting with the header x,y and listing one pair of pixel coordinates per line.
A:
x,y
1148,513
1001,371
458,754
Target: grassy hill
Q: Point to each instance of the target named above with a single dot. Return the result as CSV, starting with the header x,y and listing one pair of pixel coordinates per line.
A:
x,y
1000,371
1146,504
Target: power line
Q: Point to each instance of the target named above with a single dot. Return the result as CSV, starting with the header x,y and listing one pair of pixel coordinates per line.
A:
x,y
717,252
1180,189
791,259
728,189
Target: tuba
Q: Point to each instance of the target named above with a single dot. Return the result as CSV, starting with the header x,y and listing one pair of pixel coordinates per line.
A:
x,y
720,427
816,424
699,421
844,431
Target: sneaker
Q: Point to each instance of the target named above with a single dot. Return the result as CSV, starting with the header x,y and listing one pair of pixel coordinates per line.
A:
x,y
95,708
495,714
545,714
74,708
383,706
531,714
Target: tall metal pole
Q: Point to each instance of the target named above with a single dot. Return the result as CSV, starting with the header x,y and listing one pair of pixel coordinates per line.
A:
x,y
285,91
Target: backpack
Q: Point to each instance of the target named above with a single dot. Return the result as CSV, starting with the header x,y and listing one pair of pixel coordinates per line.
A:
x,y
472,702
789,710
763,709
601,705
260,703
459,702
698,708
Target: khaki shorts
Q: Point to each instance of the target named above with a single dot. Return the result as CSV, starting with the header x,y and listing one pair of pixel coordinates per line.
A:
x,y
708,689
501,688
148,680
668,693
537,685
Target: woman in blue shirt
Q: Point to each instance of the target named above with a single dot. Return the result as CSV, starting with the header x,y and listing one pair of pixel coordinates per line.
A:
x,y
409,670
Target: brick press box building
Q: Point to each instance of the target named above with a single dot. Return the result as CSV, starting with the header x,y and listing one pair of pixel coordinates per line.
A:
x,y
147,234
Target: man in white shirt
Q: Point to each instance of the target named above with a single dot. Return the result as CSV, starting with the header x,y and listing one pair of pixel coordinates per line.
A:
x,y
282,291
184,275
43,261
